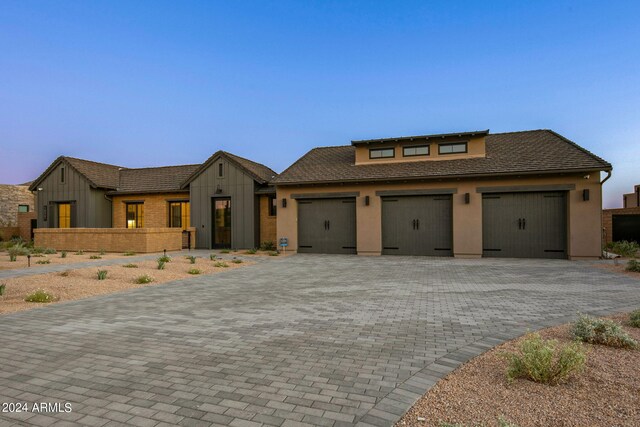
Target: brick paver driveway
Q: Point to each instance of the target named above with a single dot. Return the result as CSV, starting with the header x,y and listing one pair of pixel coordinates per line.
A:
x,y
322,340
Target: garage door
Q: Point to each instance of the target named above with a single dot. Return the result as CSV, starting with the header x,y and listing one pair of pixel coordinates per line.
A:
x,y
524,225
327,226
417,225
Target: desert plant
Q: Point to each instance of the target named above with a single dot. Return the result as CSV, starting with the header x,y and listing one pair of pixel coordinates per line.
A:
x,y
634,319
594,330
164,258
145,278
95,257
16,250
633,265
2,288
194,271
236,261
268,246
191,259
63,254
212,257
102,274
544,361
273,253
80,252
221,264
102,252
50,251
129,253
37,250
251,251
161,264
130,266
623,248
225,251
40,296
43,261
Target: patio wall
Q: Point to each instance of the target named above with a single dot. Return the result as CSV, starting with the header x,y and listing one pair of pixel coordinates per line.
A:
x,y
139,240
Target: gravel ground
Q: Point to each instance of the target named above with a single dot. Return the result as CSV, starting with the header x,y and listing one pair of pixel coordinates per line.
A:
x,y
54,259
607,393
83,283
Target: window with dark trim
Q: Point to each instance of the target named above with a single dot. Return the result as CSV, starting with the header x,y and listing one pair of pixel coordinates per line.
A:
x,y
381,153
273,205
220,170
415,150
23,208
180,214
453,148
62,175
135,215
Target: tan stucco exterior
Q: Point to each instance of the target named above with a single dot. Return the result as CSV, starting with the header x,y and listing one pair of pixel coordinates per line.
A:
x,y
584,217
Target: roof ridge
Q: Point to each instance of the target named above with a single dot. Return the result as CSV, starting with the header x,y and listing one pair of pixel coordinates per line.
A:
x,y
520,131
160,167
91,161
248,160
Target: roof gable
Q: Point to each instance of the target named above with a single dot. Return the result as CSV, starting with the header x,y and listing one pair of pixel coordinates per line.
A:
x,y
259,172
98,175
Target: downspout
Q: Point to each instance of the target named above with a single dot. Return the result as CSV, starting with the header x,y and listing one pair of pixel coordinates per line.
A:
x,y
603,236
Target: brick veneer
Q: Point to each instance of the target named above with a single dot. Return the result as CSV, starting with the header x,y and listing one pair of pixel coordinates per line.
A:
x,y
607,220
140,240
156,208
267,222
7,233
24,224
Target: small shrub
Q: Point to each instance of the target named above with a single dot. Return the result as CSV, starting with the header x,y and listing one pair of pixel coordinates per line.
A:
x,y
161,264
130,266
221,264
251,251
634,319
95,257
2,288
236,261
164,258
102,274
80,252
102,252
50,251
13,257
17,250
594,330
543,361
65,273
37,250
225,251
43,261
63,254
191,259
40,296
145,278
194,271
268,246
623,248
633,265
129,253
212,257
273,253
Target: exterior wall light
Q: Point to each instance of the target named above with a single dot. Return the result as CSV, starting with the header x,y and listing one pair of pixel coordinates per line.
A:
x,y
585,195
366,200
284,202
467,198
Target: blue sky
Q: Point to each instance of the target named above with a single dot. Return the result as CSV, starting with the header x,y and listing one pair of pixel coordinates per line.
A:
x,y
155,83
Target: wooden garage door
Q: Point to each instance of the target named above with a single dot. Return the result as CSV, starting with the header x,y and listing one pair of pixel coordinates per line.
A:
x,y
417,225
327,226
524,225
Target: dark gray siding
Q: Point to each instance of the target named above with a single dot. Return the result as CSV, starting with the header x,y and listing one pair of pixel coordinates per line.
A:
x,y
235,184
91,209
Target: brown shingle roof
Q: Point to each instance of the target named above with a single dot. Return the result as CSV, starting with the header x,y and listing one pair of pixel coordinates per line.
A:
x,y
261,173
99,175
541,151
162,179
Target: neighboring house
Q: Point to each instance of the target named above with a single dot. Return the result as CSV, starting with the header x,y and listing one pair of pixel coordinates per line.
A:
x,y
221,198
16,202
471,194
623,223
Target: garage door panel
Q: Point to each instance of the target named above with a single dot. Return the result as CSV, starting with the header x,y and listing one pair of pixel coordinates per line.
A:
x,y
327,226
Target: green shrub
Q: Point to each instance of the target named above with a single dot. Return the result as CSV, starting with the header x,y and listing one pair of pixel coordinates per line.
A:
x,y
12,257
236,261
634,319
225,251
102,252
17,250
63,254
191,259
623,248
194,271
268,246
50,251
145,278
273,253
161,264
251,251
40,296
212,257
633,265
80,252
129,253
544,361
2,288
221,264
43,261
37,250
164,258
95,257
594,330
130,266
102,274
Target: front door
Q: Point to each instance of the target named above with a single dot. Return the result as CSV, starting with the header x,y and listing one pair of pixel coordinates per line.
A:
x,y
64,215
221,219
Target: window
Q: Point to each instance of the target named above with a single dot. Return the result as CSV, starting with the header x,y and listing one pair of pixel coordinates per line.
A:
x,y
23,208
416,150
135,215
62,175
44,213
220,170
273,205
381,153
64,215
179,215
455,148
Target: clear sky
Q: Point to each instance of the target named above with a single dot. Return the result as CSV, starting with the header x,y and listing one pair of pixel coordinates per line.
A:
x,y
137,83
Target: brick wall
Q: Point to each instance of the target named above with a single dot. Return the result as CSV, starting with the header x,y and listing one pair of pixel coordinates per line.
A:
x,y
139,240
24,224
10,197
267,223
607,220
7,233
156,208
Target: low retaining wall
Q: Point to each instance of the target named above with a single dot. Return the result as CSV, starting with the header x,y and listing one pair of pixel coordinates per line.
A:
x,y
139,240
7,233
607,220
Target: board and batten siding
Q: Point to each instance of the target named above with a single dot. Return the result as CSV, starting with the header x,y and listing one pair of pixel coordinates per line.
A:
x,y
240,188
91,209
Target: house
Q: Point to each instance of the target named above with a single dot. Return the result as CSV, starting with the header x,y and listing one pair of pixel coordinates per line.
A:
x,y
468,194
16,211
623,223
223,202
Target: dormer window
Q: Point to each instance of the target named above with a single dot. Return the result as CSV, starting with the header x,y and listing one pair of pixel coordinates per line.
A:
x,y
381,153
454,148
415,150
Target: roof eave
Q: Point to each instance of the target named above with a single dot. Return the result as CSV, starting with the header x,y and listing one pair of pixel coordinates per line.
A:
x,y
414,137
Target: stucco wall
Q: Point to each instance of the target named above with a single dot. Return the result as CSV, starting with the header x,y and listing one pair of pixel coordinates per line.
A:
x,y
584,217
140,240
268,222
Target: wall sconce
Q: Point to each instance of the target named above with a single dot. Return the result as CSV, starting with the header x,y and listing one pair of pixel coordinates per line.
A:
x,y
467,198
218,189
366,200
585,195
284,202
